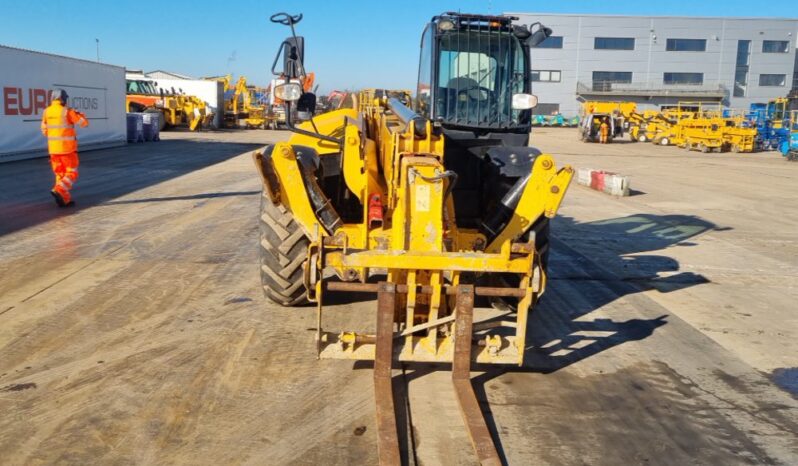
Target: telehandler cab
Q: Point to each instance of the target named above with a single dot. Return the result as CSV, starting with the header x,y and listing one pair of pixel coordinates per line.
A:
x,y
427,207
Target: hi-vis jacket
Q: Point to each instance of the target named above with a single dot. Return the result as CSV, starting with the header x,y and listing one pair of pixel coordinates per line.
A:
x,y
58,124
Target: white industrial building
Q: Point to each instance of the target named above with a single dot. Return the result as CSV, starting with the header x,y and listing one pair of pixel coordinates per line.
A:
x,y
661,60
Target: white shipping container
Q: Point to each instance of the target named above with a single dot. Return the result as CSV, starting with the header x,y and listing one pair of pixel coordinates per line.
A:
x,y
26,77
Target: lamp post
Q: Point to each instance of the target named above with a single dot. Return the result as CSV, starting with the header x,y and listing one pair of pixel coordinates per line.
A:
x,y
98,49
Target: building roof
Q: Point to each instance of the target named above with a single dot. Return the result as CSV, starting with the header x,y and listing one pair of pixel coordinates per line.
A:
x,y
59,56
598,15
166,74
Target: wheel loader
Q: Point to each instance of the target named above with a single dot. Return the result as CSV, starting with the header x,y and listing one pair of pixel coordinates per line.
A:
x,y
431,206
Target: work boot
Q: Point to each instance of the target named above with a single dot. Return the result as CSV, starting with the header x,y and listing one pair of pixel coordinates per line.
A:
x,y
58,198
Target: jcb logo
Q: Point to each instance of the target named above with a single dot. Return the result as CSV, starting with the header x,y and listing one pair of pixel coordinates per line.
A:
x,y
17,101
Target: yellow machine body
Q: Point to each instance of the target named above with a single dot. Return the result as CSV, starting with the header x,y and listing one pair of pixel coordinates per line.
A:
x,y
619,108
416,244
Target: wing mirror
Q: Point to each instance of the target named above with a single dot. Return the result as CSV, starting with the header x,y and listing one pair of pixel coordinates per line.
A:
x,y
307,103
539,33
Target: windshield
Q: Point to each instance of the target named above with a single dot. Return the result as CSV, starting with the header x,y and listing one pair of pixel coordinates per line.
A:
x,y
140,87
478,73
776,110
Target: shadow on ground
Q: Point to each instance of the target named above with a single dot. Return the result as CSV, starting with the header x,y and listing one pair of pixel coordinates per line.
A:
x,y
592,265
106,174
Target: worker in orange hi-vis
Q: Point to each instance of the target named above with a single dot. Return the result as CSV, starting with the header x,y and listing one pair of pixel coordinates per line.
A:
x,y
58,125
604,130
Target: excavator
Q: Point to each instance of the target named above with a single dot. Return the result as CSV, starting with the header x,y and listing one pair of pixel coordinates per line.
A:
x,y
436,206
239,109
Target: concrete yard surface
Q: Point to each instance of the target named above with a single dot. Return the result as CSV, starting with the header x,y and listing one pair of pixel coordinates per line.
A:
x,y
133,329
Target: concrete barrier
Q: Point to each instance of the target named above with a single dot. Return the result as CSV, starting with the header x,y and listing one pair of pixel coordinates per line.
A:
x,y
606,182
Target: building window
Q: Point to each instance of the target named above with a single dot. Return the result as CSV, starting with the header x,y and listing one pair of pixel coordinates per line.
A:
x,y
551,42
686,45
603,80
543,76
741,70
775,46
795,74
614,43
546,109
690,79
772,79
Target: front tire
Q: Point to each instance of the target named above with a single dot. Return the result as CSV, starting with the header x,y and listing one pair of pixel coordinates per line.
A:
x,y
283,253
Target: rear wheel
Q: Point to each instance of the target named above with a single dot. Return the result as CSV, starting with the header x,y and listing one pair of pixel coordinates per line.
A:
x,y
283,253
642,138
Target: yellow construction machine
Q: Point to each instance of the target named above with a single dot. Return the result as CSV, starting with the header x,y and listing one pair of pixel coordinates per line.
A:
x,y
665,128
642,127
708,128
248,114
175,108
239,109
429,207
739,134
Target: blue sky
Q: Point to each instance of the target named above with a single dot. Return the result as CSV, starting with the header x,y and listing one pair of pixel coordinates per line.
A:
x,y
349,44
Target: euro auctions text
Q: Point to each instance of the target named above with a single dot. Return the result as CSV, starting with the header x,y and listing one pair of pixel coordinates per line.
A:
x,y
32,101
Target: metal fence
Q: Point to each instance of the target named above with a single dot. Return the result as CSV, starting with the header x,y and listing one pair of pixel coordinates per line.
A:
x,y
648,89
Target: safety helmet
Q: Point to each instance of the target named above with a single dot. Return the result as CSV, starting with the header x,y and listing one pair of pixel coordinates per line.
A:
x,y
59,94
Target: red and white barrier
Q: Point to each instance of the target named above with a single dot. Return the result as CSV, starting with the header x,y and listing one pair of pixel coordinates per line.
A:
x,y
607,182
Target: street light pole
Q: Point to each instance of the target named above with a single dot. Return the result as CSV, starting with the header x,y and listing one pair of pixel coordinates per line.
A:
x,y
98,49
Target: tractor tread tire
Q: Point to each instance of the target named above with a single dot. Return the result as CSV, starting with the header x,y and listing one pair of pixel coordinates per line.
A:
x,y
283,254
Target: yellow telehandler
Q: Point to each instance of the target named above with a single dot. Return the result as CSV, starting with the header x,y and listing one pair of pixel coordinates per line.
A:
x,y
427,206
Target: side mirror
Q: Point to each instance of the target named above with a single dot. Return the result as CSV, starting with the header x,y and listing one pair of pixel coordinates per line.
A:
x,y
293,55
538,35
307,103
524,101
289,92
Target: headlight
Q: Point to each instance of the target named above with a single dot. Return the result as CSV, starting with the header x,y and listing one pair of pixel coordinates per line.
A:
x,y
289,92
524,101
445,25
